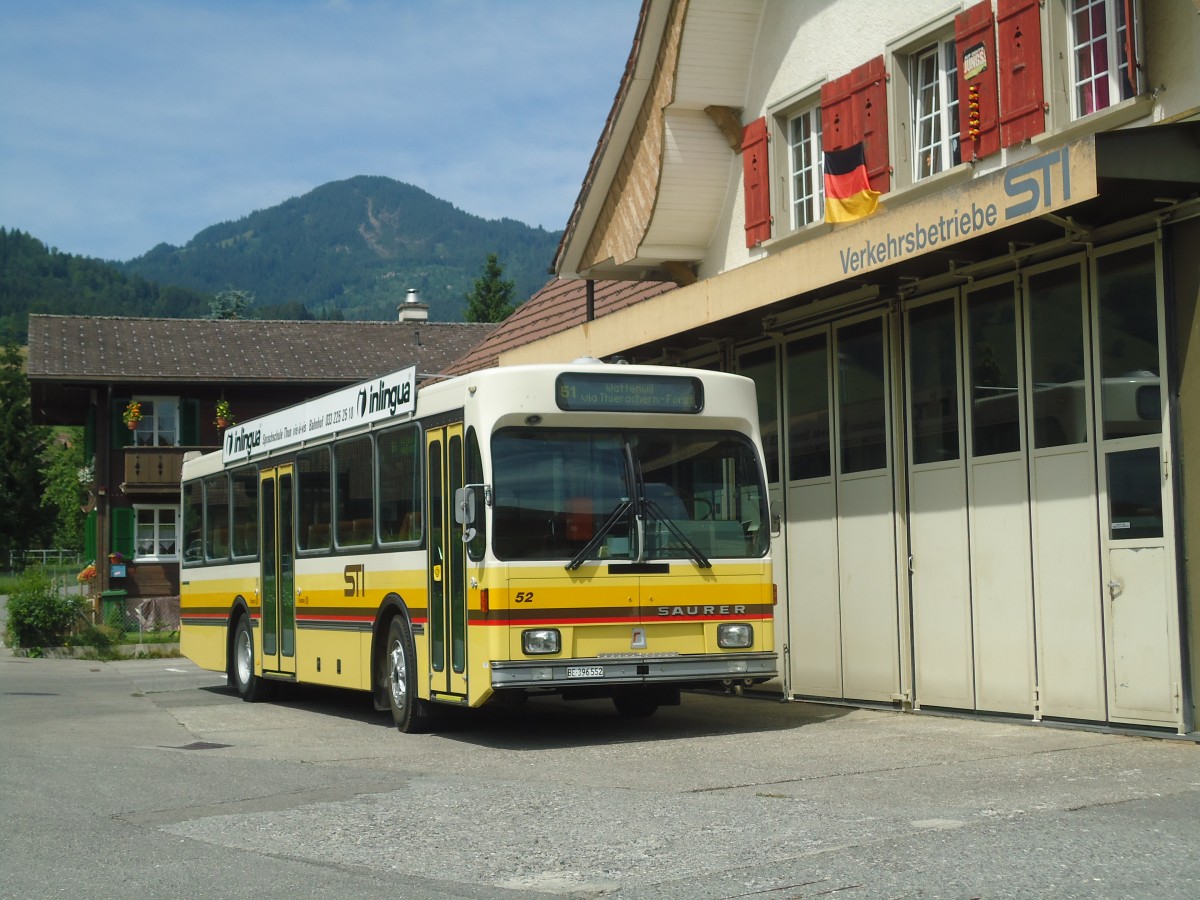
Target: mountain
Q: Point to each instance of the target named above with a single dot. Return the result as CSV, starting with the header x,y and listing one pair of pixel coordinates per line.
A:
x,y
355,247
35,278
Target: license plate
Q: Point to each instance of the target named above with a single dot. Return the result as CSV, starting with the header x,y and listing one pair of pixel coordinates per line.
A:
x,y
585,672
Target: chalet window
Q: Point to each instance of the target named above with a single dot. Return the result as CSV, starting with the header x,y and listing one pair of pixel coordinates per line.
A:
x,y
155,532
933,78
807,198
1102,48
159,425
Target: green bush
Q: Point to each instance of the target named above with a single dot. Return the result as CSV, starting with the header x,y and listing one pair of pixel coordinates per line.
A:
x,y
102,637
40,614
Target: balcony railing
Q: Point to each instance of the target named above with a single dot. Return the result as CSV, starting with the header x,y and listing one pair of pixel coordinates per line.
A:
x,y
153,468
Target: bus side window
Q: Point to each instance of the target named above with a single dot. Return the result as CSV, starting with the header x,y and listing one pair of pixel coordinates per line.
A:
x,y
354,472
216,517
313,509
474,475
193,521
398,478
244,500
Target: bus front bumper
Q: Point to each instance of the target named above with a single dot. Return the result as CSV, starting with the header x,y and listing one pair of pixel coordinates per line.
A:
x,y
632,669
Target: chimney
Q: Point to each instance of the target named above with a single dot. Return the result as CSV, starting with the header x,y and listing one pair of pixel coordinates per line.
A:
x,y
412,309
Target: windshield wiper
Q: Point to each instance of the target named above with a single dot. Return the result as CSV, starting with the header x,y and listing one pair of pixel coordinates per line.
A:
x,y
590,547
688,544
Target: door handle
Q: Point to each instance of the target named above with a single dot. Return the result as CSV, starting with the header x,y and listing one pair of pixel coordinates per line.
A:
x,y
1115,588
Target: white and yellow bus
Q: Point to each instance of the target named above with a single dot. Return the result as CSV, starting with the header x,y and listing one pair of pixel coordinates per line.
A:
x,y
589,530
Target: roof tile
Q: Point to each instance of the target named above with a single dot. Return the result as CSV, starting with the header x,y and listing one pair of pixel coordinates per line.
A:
x,y
107,348
559,305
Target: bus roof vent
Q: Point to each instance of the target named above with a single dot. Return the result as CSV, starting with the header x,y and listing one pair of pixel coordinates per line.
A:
x,y
587,361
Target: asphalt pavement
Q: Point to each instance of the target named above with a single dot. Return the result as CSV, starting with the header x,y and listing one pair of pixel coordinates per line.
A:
x,y
150,778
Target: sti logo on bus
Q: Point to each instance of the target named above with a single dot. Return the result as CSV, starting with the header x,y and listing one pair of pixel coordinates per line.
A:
x,y
376,399
1021,180
242,441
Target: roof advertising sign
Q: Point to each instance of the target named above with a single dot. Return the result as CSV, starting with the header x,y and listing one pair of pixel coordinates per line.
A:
x,y
353,407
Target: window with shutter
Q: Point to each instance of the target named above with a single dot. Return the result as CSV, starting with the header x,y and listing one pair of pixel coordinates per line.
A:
x,y
159,424
1104,69
1022,97
805,168
756,183
935,104
154,531
979,105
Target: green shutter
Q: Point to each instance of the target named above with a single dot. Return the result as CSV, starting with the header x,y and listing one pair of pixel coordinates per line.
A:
x,y
122,531
121,436
89,536
189,423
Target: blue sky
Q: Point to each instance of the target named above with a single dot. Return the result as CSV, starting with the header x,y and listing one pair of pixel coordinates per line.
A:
x,y
126,123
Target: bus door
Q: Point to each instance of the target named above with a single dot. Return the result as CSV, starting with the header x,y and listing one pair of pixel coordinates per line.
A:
x,y
277,570
447,627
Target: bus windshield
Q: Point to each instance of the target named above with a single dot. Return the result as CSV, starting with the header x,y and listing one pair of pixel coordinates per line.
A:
x,y
626,495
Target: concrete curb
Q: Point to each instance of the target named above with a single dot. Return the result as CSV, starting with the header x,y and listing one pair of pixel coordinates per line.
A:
x,y
122,651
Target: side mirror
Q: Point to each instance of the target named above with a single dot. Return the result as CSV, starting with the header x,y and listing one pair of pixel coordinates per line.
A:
x,y
464,509
464,506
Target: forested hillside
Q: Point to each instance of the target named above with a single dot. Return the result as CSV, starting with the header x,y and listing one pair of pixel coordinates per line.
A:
x,y
355,247
39,279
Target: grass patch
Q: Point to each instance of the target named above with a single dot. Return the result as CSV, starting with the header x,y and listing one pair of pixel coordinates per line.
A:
x,y
150,637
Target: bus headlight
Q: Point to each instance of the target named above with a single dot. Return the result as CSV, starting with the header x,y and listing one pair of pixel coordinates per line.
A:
x,y
538,641
735,636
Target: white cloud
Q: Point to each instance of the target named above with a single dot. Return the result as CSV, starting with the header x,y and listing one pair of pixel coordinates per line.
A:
x,y
133,122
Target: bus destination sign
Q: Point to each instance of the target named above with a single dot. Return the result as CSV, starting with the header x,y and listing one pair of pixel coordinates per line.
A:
x,y
615,392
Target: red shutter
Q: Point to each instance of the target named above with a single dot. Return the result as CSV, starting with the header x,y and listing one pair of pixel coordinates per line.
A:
x,y
757,186
1131,46
1022,99
978,104
853,109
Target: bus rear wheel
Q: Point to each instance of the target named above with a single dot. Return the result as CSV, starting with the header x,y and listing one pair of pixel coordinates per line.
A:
x,y
409,712
250,687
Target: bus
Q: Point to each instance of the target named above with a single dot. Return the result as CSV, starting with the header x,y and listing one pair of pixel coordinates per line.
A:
x,y
592,530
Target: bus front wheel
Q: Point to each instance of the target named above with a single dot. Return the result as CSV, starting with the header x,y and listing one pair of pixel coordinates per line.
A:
x,y
250,687
399,678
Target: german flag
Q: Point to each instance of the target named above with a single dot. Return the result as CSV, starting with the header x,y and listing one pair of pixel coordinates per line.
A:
x,y
848,194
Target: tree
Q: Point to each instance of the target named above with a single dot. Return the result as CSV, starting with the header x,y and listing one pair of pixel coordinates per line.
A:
x,y
22,520
64,491
230,303
491,300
